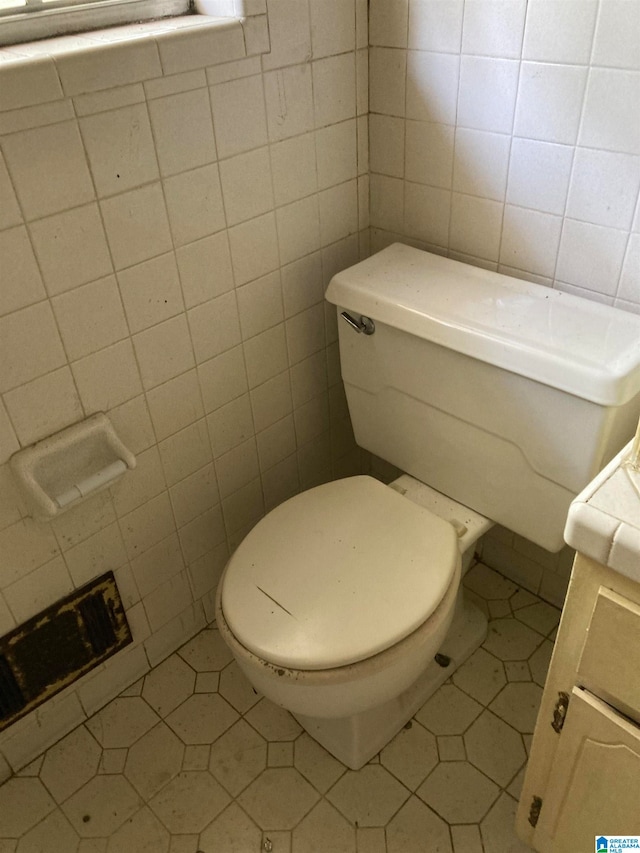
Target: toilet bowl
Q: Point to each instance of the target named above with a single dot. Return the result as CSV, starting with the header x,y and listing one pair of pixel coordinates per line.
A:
x,y
344,604
336,604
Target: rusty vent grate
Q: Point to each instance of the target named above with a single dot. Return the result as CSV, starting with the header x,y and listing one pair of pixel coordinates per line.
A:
x,y
54,648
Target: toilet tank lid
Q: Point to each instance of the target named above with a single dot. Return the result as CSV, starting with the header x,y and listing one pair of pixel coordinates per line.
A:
x,y
577,345
337,574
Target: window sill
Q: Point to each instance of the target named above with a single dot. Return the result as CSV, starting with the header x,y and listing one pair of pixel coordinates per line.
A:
x,y
40,72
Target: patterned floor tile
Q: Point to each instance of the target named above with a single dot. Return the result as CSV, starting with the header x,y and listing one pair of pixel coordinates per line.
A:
x,y
458,792
449,711
414,827
324,828
189,802
23,803
368,797
481,676
70,763
238,757
122,722
193,735
278,799
495,748
168,685
518,704
411,755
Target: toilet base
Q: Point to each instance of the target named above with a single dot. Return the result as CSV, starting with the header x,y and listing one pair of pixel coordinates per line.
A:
x,y
355,740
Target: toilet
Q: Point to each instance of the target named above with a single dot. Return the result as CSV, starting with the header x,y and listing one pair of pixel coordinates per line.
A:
x,y
500,399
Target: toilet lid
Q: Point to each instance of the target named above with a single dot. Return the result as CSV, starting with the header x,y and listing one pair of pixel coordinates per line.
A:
x,y
337,574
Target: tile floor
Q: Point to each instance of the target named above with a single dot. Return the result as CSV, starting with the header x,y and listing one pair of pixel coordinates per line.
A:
x,y
191,759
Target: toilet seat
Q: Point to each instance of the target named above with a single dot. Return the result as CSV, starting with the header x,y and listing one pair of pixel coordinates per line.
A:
x,y
336,575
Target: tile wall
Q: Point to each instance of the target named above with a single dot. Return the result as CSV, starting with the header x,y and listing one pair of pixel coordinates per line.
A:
x,y
505,134
164,248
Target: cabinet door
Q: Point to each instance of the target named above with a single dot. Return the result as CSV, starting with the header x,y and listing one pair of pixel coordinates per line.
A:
x,y
594,784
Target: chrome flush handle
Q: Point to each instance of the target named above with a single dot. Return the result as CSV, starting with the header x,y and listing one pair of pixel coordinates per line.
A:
x,y
364,324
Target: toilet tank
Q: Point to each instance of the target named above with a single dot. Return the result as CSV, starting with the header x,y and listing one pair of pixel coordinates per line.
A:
x,y
505,395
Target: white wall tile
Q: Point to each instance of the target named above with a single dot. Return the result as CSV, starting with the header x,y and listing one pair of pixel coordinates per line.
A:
x,y
237,468
167,601
102,552
151,292
57,152
266,355
481,163
147,525
293,164
90,70
183,131
337,154
604,187
214,326
333,26
493,28
139,485
223,378
20,361
629,287
205,269
429,153
288,100
137,225
132,424
38,590
617,35
387,80
107,378
591,256
530,240
475,226
8,441
302,284
254,248
290,32
387,201
25,546
239,115
195,495
247,185
387,145
276,443
305,333
164,351
434,25
20,280
559,32
298,227
539,175
44,406
10,212
120,149
487,95
230,425
260,305
271,401
194,203
175,405
243,509
90,317
388,23
71,248
427,213
334,89
362,82
611,98
432,86
550,101
202,535
338,212
185,452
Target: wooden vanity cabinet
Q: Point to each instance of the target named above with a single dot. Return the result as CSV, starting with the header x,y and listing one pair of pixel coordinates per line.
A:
x,y
583,775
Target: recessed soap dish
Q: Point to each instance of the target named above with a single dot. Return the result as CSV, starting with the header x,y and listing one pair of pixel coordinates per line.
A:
x,y
60,471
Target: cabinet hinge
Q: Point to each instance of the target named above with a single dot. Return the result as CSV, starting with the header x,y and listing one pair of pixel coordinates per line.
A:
x,y
560,711
534,811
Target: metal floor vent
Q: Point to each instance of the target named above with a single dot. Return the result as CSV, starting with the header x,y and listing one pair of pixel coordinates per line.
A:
x,y
56,647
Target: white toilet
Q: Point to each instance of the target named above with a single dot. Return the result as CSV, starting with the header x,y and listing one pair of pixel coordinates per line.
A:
x,y
344,604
